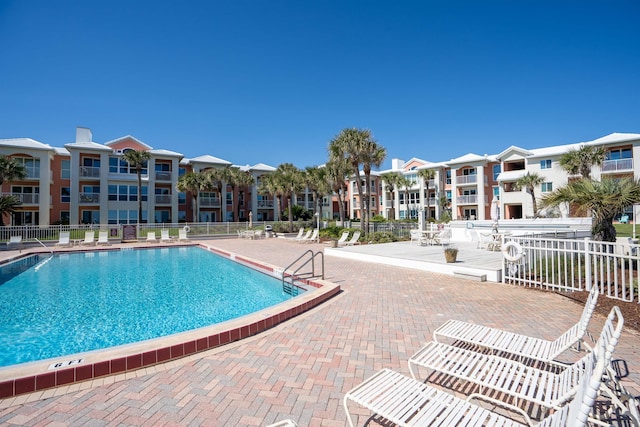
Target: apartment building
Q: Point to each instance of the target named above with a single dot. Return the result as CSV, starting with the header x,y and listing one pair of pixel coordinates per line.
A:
x,y
466,186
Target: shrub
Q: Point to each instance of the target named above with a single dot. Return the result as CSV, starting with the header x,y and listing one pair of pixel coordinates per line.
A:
x,y
382,237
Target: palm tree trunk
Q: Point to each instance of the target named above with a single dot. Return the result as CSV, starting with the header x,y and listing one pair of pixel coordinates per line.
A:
x,y
140,197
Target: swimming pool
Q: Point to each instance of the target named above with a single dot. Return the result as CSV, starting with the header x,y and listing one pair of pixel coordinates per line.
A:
x,y
78,302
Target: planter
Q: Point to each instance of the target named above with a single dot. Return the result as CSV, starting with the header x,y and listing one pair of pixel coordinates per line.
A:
x,y
450,254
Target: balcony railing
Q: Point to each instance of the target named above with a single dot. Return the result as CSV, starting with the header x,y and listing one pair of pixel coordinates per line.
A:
x,y
163,176
466,179
210,202
27,199
89,172
265,204
163,199
617,165
471,199
89,198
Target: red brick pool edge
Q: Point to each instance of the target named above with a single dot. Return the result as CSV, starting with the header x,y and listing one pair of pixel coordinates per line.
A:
x,y
37,376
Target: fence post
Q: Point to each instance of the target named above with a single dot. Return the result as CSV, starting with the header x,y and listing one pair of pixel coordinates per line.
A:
x,y
587,265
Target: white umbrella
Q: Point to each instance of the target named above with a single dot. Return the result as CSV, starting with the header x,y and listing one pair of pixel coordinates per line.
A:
x,y
495,214
250,219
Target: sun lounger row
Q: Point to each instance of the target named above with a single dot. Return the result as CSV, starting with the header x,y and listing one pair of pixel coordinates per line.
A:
x,y
345,241
407,401
165,237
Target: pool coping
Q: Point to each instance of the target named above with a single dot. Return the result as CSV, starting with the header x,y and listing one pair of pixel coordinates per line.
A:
x,y
30,377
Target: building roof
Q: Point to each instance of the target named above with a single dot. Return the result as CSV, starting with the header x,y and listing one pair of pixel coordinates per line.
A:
x,y
208,159
468,158
614,138
511,175
166,153
29,143
94,146
115,141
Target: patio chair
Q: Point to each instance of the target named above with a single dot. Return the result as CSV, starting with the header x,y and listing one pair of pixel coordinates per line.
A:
x,y
151,237
64,239
103,238
485,240
306,236
353,240
300,234
416,236
516,344
550,388
165,237
182,235
89,238
14,241
343,238
312,238
409,402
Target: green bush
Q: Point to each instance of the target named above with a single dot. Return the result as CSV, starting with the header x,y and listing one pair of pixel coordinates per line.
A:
x,y
382,237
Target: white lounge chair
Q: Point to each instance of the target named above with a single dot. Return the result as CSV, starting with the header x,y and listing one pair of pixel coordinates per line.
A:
x,y
343,238
89,238
151,237
408,402
312,238
182,235
64,239
353,240
165,237
14,241
306,236
525,346
300,234
550,388
103,238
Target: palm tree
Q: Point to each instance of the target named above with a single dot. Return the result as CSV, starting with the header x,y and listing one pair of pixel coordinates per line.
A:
x,y
603,199
8,205
216,179
530,181
291,180
270,185
350,144
238,179
427,175
372,155
138,160
582,160
11,170
390,180
317,181
192,182
337,172
406,183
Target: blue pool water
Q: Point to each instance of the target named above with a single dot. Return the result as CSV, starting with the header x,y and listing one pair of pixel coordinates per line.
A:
x,y
78,302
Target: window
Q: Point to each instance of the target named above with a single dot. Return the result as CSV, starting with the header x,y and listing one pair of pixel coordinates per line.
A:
x,y
65,195
182,198
65,169
547,187
545,164
496,171
119,165
469,171
448,194
31,166
619,154
64,217
448,180
496,193
125,216
29,195
182,171
90,162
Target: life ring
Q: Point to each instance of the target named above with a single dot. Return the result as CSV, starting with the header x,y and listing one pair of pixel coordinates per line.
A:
x,y
186,228
512,251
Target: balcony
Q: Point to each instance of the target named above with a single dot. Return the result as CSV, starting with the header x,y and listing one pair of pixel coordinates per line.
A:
x,y
89,198
209,202
617,165
27,199
471,199
466,179
89,172
163,199
163,176
265,204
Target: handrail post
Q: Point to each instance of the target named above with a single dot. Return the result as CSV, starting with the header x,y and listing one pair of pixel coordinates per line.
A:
x,y
587,265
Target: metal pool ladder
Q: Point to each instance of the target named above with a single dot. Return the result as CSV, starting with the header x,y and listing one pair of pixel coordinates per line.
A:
x,y
288,279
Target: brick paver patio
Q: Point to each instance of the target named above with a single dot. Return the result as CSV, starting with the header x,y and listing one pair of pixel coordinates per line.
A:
x,y
302,368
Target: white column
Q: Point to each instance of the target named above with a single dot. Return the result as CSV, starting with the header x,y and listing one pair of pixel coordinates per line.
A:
x,y
480,191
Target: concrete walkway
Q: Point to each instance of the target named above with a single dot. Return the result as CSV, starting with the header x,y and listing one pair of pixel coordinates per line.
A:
x,y
302,368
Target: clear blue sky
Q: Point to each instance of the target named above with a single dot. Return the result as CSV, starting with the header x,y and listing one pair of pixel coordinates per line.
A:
x,y
273,81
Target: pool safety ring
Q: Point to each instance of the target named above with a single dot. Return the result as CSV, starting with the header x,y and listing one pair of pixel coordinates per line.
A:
x,y
186,228
512,251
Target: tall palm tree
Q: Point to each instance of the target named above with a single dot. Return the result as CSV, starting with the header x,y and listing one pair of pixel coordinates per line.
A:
x,y
269,185
291,180
427,175
138,160
372,155
581,161
337,172
216,180
240,180
350,144
529,182
11,170
192,182
603,199
318,182
390,180
406,183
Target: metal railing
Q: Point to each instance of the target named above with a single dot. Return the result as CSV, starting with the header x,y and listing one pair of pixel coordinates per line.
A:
x,y
573,265
288,286
616,165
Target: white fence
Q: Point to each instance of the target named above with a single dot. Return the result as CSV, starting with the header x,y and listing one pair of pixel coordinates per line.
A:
x,y
573,265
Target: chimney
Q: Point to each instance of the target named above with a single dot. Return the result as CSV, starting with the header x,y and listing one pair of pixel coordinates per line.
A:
x,y
83,134
397,164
